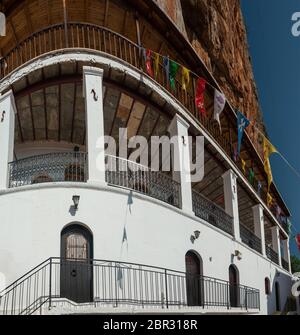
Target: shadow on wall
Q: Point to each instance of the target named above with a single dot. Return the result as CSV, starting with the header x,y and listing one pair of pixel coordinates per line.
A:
x,y
278,303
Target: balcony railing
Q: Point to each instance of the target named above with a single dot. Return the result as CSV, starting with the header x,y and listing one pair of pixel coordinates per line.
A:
x,y
110,283
210,212
123,173
249,238
272,255
88,36
54,167
285,264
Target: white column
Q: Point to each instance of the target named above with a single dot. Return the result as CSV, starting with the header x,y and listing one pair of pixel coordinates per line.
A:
x,y
95,145
286,252
276,242
178,130
231,201
259,226
7,134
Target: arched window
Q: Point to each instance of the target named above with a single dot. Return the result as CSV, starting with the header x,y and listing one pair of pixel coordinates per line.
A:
x,y
234,286
267,286
194,279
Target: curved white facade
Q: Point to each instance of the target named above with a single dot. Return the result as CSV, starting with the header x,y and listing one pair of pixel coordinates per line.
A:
x,y
32,217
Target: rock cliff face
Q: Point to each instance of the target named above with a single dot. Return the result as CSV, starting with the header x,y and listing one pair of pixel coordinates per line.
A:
x,y
217,32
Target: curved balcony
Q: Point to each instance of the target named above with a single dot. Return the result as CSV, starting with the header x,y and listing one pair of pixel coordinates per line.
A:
x,y
54,167
88,36
210,212
117,284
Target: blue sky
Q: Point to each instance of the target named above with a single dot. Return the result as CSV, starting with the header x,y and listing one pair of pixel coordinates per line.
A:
x,y
275,57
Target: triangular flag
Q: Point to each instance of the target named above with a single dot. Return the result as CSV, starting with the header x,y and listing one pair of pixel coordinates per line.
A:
x,y
259,188
298,241
148,61
219,105
185,78
269,200
269,149
243,166
251,176
289,225
173,71
242,124
201,84
156,64
166,63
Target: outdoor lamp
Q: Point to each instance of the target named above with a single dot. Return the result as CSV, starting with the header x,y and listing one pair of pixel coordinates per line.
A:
x,y
76,199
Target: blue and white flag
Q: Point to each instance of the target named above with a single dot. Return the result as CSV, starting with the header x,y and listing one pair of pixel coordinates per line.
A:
x,y
242,124
219,105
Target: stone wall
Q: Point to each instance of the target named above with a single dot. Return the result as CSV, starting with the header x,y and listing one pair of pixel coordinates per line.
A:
x,y
217,32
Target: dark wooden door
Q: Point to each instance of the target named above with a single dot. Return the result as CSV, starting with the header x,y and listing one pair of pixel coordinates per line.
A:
x,y
193,279
277,293
233,286
76,278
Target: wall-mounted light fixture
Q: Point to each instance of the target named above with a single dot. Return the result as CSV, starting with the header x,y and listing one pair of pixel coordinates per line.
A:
x,y
238,254
195,236
76,199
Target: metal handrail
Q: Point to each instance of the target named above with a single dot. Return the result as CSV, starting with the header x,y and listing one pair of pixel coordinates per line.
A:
x,y
212,213
141,285
249,238
139,178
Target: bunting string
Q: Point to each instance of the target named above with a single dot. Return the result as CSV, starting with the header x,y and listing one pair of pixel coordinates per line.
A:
x,y
171,69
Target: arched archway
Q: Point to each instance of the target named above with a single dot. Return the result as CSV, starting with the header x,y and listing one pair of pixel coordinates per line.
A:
x,y
76,275
277,296
234,286
194,279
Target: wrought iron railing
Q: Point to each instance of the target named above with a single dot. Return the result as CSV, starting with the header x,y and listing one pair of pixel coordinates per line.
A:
x,y
212,213
76,35
272,255
54,167
103,283
123,173
285,264
249,238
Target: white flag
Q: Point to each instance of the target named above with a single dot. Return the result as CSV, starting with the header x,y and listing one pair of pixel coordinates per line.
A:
x,y
219,105
2,24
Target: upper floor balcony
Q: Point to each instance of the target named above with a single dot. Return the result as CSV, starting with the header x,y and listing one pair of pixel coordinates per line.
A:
x,y
79,36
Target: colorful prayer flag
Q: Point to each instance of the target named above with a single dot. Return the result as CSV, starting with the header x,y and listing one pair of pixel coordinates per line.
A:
x,y
251,176
259,188
156,63
243,166
185,78
298,241
242,124
269,200
269,149
148,61
219,105
173,71
166,63
201,84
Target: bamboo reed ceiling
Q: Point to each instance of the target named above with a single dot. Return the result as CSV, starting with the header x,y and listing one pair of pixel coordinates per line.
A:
x,y
26,17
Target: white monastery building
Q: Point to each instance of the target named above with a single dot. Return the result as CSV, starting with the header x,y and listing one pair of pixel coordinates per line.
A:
x,y
78,236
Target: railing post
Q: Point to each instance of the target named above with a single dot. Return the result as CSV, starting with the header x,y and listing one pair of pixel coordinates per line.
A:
x,y
178,130
246,296
7,134
93,93
259,226
50,283
228,295
166,288
276,243
231,201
